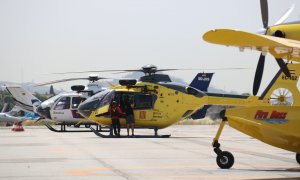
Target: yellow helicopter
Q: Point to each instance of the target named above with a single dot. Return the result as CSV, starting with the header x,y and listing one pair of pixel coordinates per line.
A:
x,y
159,102
278,124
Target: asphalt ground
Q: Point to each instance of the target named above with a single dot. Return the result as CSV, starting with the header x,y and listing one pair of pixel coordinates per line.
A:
x,y
38,153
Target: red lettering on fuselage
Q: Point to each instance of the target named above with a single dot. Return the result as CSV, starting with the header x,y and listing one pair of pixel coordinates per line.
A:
x,y
274,115
278,115
261,115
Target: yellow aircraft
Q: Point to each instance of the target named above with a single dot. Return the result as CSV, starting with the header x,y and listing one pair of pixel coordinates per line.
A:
x,y
282,40
278,124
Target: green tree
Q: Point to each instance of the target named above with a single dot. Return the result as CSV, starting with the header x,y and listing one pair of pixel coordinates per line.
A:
x,y
52,90
40,97
5,97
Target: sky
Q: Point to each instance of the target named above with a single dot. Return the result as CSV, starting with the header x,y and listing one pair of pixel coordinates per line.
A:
x,y
40,37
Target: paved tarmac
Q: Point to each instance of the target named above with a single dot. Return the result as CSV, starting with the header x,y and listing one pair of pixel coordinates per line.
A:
x,y
39,153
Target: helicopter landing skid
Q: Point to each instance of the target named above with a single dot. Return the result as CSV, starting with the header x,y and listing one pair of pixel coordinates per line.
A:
x,y
98,133
64,130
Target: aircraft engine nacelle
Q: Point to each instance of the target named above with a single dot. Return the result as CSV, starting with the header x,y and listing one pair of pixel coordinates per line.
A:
x,y
279,33
127,82
78,88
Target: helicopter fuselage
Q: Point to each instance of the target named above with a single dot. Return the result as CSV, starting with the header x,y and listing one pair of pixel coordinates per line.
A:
x,y
62,108
155,105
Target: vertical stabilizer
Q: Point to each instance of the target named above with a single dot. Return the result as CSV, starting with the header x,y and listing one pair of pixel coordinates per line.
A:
x,y
202,81
23,98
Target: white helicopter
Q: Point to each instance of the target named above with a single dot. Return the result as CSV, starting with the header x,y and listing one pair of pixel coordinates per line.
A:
x,y
61,108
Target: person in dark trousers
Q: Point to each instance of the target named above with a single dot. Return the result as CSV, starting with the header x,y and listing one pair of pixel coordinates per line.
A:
x,y
129,117
115,113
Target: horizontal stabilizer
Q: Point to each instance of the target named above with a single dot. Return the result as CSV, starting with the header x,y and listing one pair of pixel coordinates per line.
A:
x,y
201,113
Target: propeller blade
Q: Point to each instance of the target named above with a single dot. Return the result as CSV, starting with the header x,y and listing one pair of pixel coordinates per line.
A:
x,y
258,74
264,12
283,67
60,80
285,15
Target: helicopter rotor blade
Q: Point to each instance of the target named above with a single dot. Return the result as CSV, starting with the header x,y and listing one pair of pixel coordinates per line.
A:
x,y
161,70
81,72
61,80
121,71
218,69
258,74
192,69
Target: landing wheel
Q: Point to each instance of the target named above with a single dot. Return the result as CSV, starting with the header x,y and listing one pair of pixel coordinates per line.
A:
x,y
298,157
87,125
77,126
225,160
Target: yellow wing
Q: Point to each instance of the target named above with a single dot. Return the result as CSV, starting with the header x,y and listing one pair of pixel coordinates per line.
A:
x,y
278,47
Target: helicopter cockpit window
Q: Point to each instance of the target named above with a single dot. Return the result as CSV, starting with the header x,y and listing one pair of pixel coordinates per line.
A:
x,y
96,101
143,101
76,101
49,102
63,103
107,99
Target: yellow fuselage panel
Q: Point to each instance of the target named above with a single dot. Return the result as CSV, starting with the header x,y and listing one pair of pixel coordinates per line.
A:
x,y
231,101
278,125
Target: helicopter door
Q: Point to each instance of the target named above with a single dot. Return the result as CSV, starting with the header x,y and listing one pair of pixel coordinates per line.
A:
x,y
143,107
74,109
61,110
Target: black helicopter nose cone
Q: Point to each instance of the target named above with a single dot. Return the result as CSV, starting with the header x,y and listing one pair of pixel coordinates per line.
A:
x,y
44,112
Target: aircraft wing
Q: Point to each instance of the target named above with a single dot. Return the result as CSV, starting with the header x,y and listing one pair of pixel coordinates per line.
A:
x,y
278,47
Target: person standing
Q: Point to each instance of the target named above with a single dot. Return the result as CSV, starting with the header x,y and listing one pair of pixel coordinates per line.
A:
x,y
129,117
115,113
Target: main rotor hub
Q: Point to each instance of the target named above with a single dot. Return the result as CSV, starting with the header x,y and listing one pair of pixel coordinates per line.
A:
x,y
93,77
149,69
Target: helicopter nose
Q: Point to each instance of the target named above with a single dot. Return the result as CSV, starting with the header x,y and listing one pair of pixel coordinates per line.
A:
x,y
85,109
44,112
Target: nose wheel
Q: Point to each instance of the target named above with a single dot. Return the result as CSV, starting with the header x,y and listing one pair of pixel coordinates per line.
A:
x,y
298,158
225,159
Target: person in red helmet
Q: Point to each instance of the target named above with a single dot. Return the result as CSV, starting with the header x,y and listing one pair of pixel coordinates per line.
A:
x,y
115,114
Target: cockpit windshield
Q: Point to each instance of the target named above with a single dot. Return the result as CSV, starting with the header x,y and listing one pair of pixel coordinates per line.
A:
x,y
98,100
107,99
49,102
